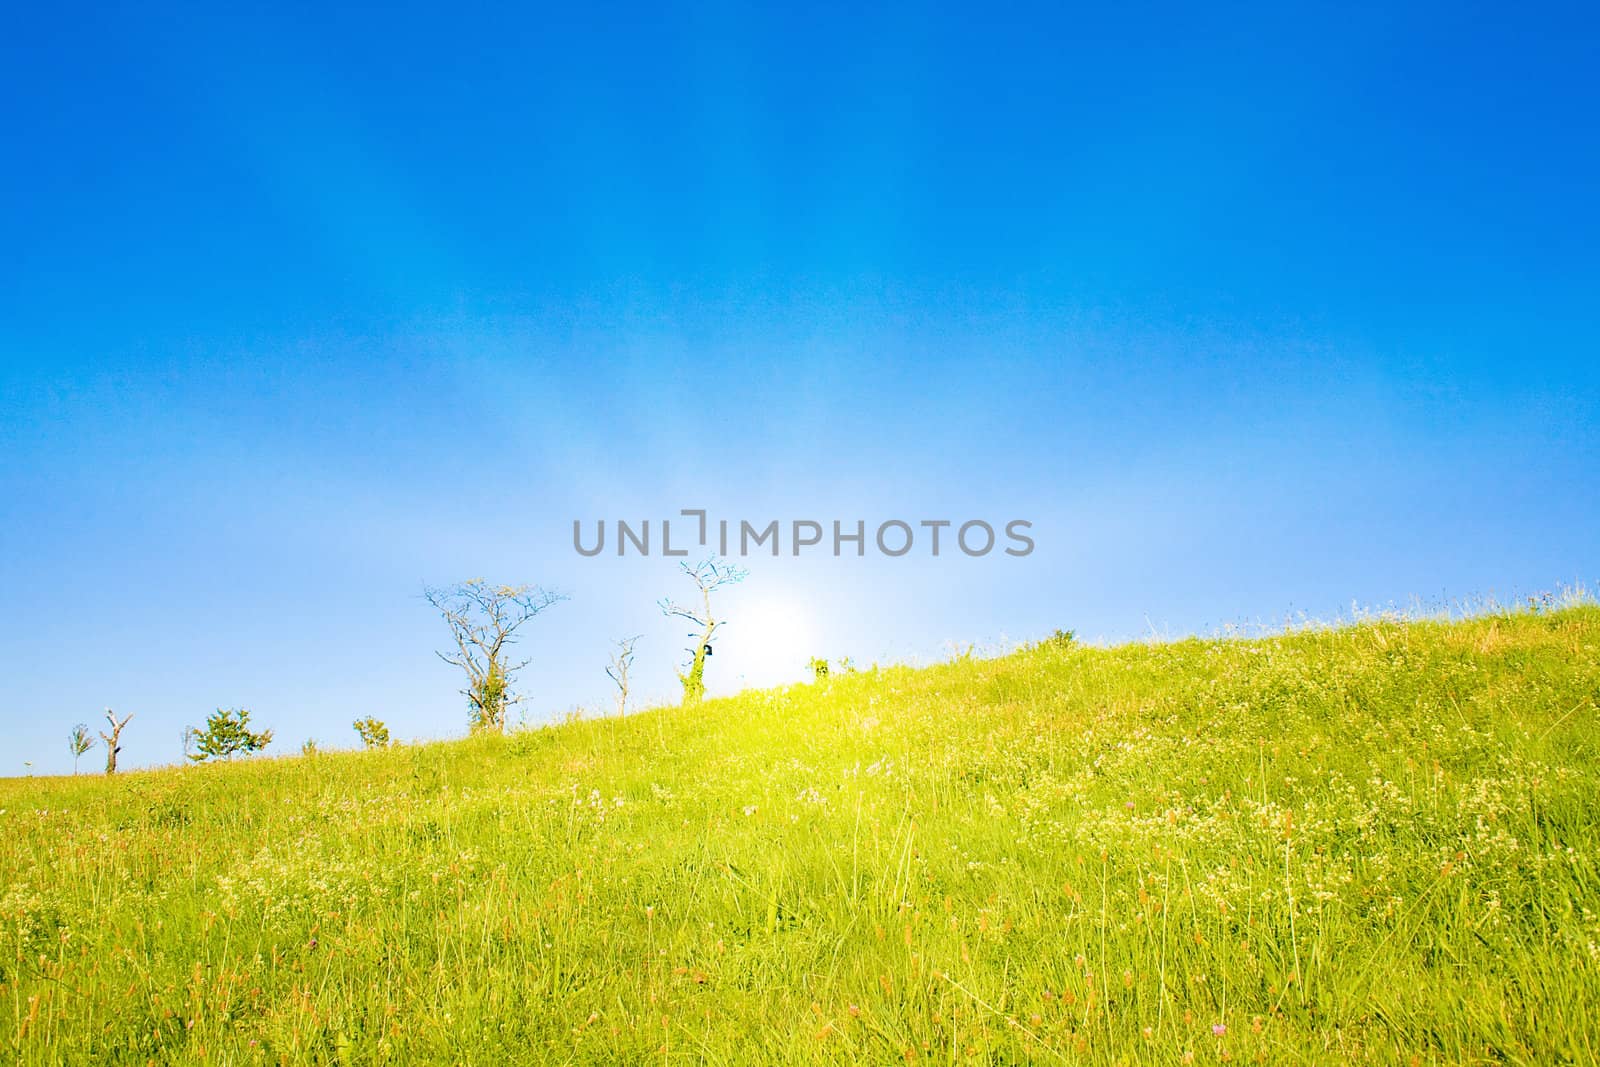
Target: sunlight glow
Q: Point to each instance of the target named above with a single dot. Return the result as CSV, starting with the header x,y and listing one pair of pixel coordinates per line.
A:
x,y
767,643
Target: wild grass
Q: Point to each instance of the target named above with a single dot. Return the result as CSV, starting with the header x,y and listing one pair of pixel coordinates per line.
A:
x,y
1374,843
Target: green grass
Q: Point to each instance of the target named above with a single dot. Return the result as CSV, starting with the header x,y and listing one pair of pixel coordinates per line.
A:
x,y
1375,843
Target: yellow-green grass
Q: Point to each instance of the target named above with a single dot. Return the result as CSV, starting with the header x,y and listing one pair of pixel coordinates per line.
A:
x,y
1374,843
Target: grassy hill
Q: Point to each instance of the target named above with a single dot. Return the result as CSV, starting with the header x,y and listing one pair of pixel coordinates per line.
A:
x,y
1377,843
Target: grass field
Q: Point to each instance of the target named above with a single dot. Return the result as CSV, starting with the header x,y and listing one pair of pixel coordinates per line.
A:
x,y
1375,843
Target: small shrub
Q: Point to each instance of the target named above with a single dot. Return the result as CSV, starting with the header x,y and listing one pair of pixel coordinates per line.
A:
x,y
1061,639
373,733
227,734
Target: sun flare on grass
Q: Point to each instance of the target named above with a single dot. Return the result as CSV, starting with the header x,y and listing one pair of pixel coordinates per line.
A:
x,y
1373,843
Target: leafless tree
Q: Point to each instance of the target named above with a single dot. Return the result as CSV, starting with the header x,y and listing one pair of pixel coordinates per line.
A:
x,y
708,575
80,741
112,745
483,621
621,663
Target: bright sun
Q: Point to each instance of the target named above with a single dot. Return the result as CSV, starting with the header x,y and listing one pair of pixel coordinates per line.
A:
x,y
767,643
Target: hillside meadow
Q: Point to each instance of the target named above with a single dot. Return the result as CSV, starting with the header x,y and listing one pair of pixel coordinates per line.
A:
x,y
1375,843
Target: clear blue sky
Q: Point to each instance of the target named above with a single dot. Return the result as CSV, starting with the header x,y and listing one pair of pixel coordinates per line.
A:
x,y
1250,309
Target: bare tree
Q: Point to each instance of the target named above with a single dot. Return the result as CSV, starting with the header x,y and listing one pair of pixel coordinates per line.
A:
x,y
81,741
621,663
708,575
112,745
484,620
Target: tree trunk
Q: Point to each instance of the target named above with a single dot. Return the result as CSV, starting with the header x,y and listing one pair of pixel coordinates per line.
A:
x,y
112,747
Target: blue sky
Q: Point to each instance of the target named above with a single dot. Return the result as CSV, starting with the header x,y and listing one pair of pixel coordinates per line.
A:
x,y
1251,310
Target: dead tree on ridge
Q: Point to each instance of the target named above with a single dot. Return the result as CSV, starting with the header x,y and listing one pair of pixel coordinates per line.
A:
x,y
112,745
621,663
483,620
708,576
